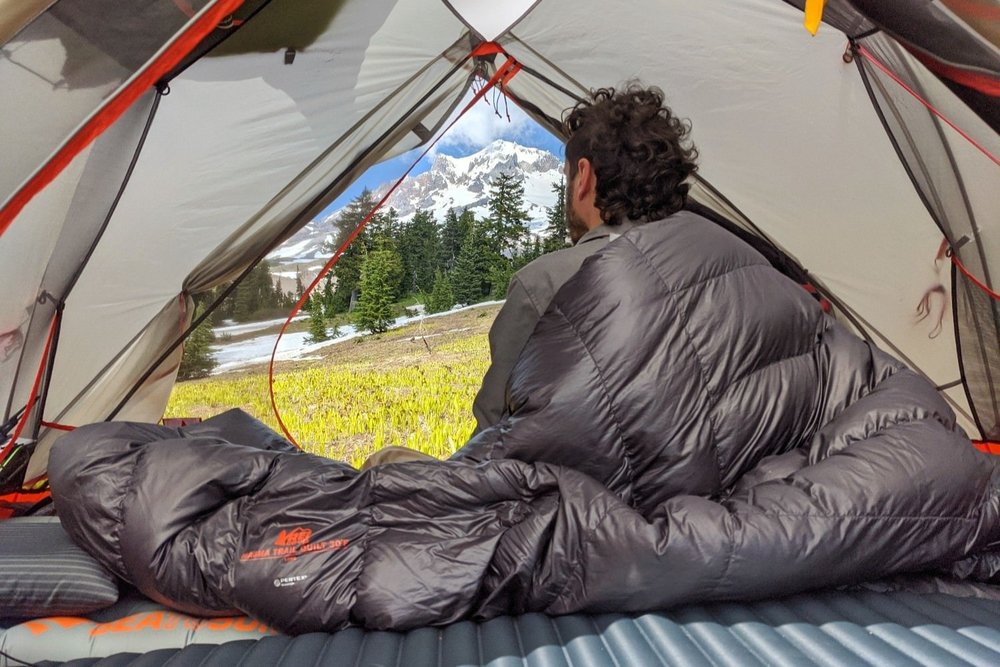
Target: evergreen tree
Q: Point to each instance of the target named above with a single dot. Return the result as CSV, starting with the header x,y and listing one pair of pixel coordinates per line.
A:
x,y
532,251
327,296
507,222
500,274
277,295
347,271
260,284
317,324
244,305
258,294
379,279
557,231
198,361
441,297
384,230
453,233
470,280
300,288
420,250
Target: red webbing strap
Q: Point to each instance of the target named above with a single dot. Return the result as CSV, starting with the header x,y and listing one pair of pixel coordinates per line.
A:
x,y
57,426
885,70
116,106
503,74
990,447
33,396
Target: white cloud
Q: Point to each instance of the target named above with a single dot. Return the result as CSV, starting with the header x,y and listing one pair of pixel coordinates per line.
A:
x,y
486,122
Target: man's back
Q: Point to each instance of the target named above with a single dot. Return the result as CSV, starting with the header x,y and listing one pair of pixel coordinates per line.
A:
x,y
528,296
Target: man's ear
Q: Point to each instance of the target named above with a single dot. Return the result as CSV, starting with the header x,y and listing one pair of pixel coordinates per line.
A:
x,y
585,181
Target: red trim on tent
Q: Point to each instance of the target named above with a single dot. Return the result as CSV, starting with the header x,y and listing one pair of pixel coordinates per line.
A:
x,y
115,106
984,83
503,74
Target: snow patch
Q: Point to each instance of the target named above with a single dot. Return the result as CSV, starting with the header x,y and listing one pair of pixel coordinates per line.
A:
x,y
257,350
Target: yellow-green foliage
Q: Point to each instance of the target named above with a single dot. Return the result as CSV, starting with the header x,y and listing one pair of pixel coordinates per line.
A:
x,y
389,390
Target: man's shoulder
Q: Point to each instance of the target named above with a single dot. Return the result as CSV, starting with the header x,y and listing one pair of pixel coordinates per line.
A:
x,y
559,264
541,278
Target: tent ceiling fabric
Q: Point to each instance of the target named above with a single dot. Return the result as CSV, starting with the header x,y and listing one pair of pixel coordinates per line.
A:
x,y
246,148
490,19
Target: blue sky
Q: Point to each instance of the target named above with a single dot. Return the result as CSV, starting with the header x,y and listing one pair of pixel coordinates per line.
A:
x,y
477,128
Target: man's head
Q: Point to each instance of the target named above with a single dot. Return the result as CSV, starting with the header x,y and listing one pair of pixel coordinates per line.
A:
x,y
627,158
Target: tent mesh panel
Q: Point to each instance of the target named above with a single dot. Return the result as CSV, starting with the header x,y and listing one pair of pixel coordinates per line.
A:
x,y
977,317
941,164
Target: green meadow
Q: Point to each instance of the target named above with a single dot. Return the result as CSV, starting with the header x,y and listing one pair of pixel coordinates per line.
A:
x,y
411,386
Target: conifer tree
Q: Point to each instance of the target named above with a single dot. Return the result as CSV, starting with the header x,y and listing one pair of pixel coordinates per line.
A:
x,y
386,227
420,250
348,268
470,280
500,274
327,296
441,297
317,323
244,305
379,279
557,231
197,361
300,288
260,284
507,222
453,232
278,295
506,231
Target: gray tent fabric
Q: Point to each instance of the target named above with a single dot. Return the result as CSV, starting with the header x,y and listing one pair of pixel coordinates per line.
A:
x,y
684,425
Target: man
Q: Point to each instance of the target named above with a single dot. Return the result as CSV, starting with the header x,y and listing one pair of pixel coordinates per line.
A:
x,y
627,162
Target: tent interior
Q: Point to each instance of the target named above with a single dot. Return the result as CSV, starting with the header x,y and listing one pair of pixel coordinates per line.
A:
x,y
155,150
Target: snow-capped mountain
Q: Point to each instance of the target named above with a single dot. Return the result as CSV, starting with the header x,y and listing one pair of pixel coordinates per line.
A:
x,y
451,182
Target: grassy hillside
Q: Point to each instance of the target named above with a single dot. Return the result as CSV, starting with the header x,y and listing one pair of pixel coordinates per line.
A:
x,y
412,386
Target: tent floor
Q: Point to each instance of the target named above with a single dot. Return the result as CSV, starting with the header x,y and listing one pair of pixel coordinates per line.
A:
x,y
825,628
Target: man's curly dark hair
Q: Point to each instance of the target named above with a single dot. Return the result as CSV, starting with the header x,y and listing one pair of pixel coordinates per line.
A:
x,y
639,150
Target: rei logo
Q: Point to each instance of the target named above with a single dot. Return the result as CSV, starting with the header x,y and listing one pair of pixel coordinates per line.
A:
x,y
295,537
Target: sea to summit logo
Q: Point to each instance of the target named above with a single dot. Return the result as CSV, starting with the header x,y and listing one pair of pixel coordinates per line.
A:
x,y
294,537
292,543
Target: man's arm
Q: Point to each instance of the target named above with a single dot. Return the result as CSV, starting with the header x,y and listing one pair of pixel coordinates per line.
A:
x,y
510,331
